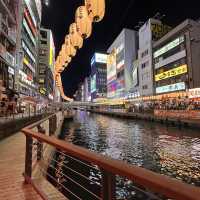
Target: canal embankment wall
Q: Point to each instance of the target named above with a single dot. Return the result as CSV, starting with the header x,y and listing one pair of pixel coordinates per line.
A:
x,y
9,127
175,121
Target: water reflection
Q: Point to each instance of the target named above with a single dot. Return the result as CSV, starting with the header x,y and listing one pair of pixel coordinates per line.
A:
x,y
166,150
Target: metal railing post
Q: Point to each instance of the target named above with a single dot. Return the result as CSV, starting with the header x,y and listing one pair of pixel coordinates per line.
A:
x,y
108,185
39,144
28,159
52,125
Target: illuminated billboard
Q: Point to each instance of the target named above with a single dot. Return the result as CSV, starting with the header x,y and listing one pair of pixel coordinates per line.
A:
x,y
101,58
170,88
93,84
111,67
111,89
135,77
159,30
171,73
51,52
168,47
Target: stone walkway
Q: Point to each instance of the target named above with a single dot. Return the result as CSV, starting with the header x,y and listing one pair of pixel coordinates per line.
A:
x,y
12,187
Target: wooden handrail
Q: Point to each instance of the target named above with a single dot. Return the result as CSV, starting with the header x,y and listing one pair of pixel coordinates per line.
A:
x,y
161,184
41,121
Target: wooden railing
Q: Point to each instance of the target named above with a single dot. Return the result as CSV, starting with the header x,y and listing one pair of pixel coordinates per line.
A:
x,y
156,186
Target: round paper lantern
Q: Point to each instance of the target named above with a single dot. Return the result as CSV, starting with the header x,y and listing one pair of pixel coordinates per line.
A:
x,y
75,38
69,49
67,60
83,22
96,9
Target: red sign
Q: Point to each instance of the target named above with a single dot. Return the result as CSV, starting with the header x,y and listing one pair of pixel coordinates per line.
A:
x,y
29,77
33,29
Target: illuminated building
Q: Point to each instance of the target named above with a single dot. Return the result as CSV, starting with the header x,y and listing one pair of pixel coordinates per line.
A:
x,y
9,14
176,59
28,55
98,76
151,31
46,63
122,53
87,86
79,95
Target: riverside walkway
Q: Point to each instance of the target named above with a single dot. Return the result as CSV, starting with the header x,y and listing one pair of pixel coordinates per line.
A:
x,y
12,156
17,157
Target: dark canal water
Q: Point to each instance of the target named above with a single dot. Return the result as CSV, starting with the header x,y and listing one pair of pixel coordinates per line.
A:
x,y
166,150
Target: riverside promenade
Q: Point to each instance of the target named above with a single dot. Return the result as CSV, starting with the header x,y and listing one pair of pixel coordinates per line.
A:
x,y
12,156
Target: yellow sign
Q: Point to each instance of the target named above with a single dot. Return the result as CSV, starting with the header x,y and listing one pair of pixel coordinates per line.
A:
x,y
41,80
26,61
171,73
43,91
51,56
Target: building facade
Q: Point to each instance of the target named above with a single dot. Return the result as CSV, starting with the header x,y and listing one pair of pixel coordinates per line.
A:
x,y
98,76
9,12
151,31
87,93
122,53
28,55
46,64
177,59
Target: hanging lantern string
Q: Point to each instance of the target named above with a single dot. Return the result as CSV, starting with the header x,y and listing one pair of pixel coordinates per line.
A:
x,y
91,11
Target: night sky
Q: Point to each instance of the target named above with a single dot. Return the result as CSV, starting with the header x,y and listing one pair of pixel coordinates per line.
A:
x,y
119,14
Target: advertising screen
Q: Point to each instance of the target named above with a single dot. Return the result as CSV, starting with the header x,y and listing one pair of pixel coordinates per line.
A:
x,y
111,67
111,90
93,84
100,58
135,77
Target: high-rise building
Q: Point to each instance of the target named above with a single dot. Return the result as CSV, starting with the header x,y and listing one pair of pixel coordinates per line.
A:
x,y
177,59
9,11
87,94
151,31
122,53
46,64
98,76
79,95
28,56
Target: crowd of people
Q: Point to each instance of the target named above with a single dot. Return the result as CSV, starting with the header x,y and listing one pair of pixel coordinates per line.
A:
x,y
170,104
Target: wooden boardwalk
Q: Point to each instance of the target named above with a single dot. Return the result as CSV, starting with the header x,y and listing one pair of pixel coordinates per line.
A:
x,y
12,155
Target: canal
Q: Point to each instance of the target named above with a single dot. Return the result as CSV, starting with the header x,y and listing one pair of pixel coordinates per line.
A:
x,y
167,150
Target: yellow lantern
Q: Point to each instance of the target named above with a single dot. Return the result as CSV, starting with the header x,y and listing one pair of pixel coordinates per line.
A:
x,y
83,22
67,60
96,9
69,49
75,38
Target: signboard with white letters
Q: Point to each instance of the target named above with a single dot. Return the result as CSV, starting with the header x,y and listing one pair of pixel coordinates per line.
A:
x,y
170,88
